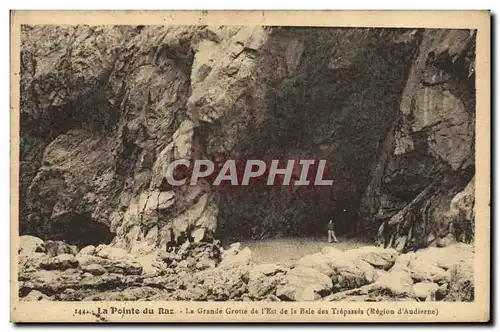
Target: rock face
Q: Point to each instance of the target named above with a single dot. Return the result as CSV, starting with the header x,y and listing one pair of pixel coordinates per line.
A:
x,y
428,156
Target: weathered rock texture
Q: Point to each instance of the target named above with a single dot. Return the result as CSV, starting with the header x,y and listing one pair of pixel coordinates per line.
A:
x,y
104,110
428,156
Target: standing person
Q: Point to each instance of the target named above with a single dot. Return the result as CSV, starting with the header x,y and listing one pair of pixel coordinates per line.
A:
x,y
331,232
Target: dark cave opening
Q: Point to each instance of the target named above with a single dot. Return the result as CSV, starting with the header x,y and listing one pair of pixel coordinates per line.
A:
x,y
338,114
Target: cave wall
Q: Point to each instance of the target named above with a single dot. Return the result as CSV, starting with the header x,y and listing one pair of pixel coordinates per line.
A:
x,y
428,157
104,110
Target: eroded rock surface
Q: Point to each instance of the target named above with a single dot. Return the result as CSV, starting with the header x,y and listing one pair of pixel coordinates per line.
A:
x,y
105,110
207,272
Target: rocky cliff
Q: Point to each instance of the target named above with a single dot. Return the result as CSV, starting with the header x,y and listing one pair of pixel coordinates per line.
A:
x,y
105,109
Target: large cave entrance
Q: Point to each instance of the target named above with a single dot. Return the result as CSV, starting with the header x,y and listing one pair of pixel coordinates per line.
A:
x,y
339,105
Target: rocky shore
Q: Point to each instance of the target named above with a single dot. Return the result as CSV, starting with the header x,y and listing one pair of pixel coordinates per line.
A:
x,y
56,271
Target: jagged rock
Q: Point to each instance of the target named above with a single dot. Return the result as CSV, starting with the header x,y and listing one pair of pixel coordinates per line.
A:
x,y
35,295
198,235
462,213
29,244
168,282
61,262
461,286
425,290
304,284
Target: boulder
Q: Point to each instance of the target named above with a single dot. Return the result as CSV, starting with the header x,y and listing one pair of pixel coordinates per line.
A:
x,y
29,262
394,283
319,262
461,286
380,258
60,262
55,248
233,249
198,235
105,251
425,290
442,292
35,295
264,279
303,284
346,269
264,286
446,257
402,262
94,269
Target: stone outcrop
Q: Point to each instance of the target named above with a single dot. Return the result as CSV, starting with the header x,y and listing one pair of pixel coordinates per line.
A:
x,y
428,156
207,272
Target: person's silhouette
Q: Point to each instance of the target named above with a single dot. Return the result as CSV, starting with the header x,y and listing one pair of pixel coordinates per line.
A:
x,y
331,232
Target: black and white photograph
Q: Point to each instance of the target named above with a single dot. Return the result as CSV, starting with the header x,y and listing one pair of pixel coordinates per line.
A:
x,y
244,163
